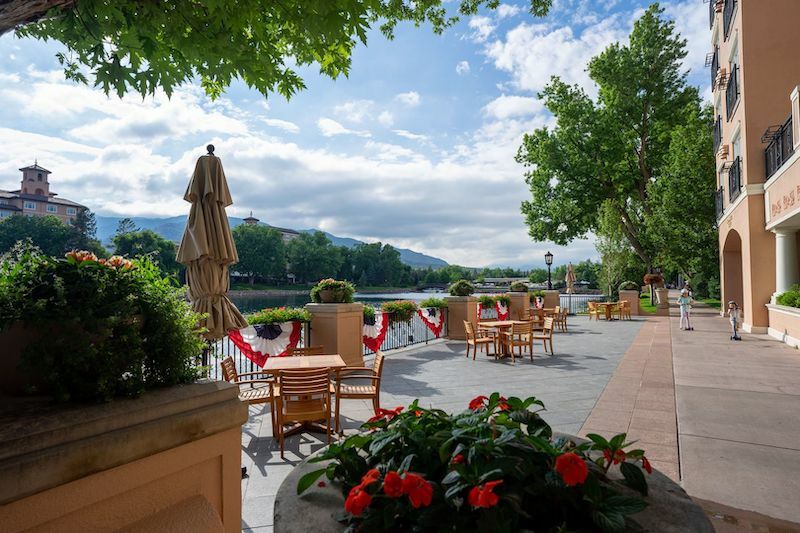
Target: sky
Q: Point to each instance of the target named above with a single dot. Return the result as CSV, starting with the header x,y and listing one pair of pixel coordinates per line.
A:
x,y
415,148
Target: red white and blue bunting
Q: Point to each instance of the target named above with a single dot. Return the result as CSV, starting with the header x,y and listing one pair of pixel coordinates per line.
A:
x,y
262,341
502,311
375,333
538,302
433,318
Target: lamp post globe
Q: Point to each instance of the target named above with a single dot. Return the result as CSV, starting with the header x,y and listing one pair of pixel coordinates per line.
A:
x,y
548,259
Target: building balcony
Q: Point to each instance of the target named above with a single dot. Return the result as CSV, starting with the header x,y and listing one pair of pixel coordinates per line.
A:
x,y
734,180
732,92
780,147
717,133
718,201
714,67
728,11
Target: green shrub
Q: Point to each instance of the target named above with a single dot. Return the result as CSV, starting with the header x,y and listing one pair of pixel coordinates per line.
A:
x,y
279,315
400,310
503,299
628,286
369,314
343,290
519,286
112,327
461,287
534,294
486,301
790,298
438,303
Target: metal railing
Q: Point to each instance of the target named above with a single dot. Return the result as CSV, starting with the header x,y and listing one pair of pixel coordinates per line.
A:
x,y
711,13
732,91
714,67
718,201
717,133
408,332
780,148
579,303
735,179
727,16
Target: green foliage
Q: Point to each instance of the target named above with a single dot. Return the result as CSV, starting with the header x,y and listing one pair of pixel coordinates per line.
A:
x,y
109,328
369,314
519,286
486,301
645,304
427,303
261,252
536,294
499,440
312,256
142,46
378,265
47,233
628,286
343,290
461,287
604,155
147,243
538,275
790,298
503,299
400,310
278,315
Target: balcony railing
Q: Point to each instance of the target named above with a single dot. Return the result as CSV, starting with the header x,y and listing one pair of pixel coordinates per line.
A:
x,y
714,67
718,201
732,91
717,133
735,179
780,148
711,13
727,16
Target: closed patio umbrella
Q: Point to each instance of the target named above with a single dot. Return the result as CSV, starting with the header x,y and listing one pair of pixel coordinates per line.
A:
x,y
207,247
570,279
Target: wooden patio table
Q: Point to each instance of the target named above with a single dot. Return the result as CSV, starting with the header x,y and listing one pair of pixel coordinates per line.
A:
x,y
501,325
607,308
305,362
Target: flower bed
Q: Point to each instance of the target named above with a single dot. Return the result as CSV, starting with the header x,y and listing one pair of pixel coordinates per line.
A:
x,y
494,467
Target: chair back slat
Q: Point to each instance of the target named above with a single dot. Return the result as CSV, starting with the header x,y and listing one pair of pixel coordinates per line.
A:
x,y
377,364
548,324
308,350
470,331
521,329
229,369
304,382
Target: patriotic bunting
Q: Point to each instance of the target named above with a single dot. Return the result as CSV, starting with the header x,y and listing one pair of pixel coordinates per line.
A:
x,y
502,311
375,333
262,341
433,318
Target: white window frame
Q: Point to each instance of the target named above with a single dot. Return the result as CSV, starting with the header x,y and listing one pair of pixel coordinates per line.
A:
x,y
72,211
52,209
29,205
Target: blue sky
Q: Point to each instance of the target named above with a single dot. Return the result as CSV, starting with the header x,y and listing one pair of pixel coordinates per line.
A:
x,y
415,148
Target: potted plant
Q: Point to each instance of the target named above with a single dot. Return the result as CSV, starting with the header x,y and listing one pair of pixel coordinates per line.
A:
x,y
654,280
93,329
495,466
503,299
519,286
433,303
279,315
369,315
400,310
628,286
333,291
461,287
486,301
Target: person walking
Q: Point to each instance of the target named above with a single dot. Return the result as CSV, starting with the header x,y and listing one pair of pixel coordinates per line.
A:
x,y
733,313
685,302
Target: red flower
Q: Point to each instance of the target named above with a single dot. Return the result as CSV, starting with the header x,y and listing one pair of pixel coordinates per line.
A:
x,y
457,460
572,468
357,501
482,495
418,413
393,485
607,455
646,465
619,457
419,491
370,477
502,404
388,414
477,402
321,484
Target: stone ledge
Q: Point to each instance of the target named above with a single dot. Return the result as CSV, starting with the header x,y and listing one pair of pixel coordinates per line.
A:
x,y
318,309
43,445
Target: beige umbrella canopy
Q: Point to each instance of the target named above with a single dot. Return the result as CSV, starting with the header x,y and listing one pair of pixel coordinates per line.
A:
x,y
570,279
207,247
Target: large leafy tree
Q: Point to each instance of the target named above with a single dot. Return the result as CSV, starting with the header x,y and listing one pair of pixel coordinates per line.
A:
x,y
261,252
313,257
140,46
149,243
83,234
600,159
48,233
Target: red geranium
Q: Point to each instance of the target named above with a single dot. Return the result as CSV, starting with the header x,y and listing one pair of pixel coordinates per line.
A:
x,y
370,477
457,460
477,402
503,404
419,491
388,414
572,468
357,501
646,465
483,495
393,485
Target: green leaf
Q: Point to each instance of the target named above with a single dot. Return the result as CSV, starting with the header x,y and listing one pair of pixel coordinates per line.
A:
x,y
308,479
451,477
634,477
608,521
617,440
624,505
599,440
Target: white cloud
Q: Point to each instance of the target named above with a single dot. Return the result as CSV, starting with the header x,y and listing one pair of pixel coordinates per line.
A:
x,y
413,136
508,10
410,99
482,27
504,107
386,118
329,127
462,67
285,125
354,110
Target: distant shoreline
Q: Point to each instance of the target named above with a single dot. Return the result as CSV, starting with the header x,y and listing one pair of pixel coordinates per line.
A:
x,y
291,292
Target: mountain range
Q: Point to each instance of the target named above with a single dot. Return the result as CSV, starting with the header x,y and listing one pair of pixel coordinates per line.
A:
x,y
172,228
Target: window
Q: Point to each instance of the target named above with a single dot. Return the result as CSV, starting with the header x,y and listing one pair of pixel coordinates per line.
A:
x,y
737,146
3,202
52,209
72,211
30,205
39,176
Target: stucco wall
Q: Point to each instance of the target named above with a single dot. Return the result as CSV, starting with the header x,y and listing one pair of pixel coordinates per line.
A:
x,y
784,324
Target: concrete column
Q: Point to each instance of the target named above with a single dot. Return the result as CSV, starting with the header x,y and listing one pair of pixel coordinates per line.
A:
x,y
787,272
339,329
795,98
552,298
459,309
633,298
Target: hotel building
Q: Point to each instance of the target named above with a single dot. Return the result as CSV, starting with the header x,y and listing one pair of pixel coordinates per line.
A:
x,y
34,198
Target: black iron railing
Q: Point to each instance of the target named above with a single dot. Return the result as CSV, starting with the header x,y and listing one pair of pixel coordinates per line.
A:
x,y
714,67
711,13
780,148
732,91
718,201
408,332
717,133
727,16
735,179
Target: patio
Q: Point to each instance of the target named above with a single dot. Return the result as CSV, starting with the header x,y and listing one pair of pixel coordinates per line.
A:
x,y
440,375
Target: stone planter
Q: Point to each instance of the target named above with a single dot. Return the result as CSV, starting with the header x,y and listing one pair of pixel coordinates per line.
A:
x,y
459,309
338,329
520,303
552,298
662,297
331,296
633,298
670,509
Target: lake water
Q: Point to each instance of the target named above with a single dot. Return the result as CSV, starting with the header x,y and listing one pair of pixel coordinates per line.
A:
x,y
250,304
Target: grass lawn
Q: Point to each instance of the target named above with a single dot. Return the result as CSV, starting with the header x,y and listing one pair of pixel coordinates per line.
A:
x,y
711,302
645,305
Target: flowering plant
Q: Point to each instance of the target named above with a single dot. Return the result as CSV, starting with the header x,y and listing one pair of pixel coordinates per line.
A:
x,y
486,301
461,287
432,302
400,310
343,290
494,467
519,286
278,315
503,299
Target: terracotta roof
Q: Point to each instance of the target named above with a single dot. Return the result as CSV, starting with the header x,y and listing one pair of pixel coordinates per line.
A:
x,y
36,166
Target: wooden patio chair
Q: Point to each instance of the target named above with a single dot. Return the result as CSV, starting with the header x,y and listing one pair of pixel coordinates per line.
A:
x,y
369,387
519,336
305,397
252,389
561,319
546,335
483,340
616,309
594,310
308,350
625,309
486,331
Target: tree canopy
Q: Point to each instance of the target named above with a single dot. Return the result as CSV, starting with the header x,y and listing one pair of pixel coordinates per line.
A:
x,y
147,242
141,46
50,235
261,252
594,171
312,257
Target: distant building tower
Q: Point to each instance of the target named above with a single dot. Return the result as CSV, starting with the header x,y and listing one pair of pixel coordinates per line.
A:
x,y
35,199
35,180
251,220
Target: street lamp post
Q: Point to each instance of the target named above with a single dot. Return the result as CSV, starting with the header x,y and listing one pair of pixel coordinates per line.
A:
x,y
548,259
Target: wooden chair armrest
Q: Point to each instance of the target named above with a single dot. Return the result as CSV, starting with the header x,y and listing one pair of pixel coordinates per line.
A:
x,y
351,368
360,376
261,373
253,381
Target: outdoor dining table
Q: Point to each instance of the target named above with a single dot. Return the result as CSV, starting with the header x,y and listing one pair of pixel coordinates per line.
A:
x,y
305,362
501,325
607,306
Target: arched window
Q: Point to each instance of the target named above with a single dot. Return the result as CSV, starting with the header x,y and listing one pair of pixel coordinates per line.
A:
x,y
39,176
40,192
